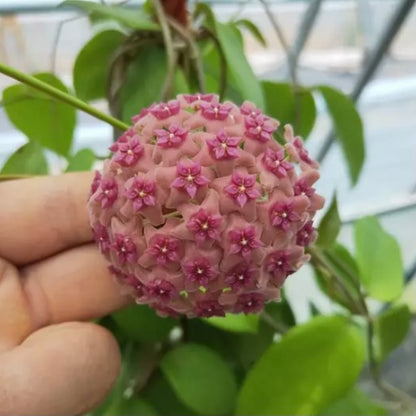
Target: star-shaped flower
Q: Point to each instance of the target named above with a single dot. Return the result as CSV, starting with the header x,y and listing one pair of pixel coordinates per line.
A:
x,y
223,147
174,136
275,162
189,178
108,192
200,270
164,110
142,193
244,241
242,188
215,111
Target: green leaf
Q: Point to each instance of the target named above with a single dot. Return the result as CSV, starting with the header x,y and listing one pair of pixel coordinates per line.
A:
x,y
290,105
390,329
330,225
141,323
82,160
133,18
131,406
313,365
356,403
28,159
379,260
348,127
236,323
145,79
137,362
160,395
253,29
408,296
92,62
245,79
340,259
201,379
203,9
212,69
49,122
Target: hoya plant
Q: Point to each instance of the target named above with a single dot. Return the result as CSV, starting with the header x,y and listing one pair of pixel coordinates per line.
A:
x,y
204,206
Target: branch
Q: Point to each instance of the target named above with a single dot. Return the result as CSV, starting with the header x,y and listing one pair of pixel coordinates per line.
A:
x,y
170,52
60,95
195,55
282,39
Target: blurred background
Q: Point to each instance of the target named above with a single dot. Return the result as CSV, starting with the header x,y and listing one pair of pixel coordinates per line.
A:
x,y
366,48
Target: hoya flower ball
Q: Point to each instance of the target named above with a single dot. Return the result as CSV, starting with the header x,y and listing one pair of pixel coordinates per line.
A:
x,y
201,211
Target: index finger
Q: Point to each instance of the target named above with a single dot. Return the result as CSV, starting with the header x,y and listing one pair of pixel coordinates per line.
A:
x,y
42,216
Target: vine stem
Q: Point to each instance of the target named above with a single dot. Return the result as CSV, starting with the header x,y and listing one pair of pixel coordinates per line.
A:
x,y
320,258
196,58
170,50
279,327
60,95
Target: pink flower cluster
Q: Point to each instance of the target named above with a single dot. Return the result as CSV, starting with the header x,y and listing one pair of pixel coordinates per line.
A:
x,y
201,211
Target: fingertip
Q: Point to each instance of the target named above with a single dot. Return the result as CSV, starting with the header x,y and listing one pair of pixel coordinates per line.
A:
x,y
61,369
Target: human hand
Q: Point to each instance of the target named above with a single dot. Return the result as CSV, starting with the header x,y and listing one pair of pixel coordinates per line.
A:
x,y
51,277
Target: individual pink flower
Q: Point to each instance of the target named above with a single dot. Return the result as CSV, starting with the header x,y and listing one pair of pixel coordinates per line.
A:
x,y
161,289
215,111
101,237
208,308
164,249
259,128
165,110
282,214
242,188
174,136
205,226
240,276
306,235
127,151
249,109
108,192
249,303
244,241
141,192
125,248
279,266
189,178
303,153
275,162
302,188
200,270
223,147
198,97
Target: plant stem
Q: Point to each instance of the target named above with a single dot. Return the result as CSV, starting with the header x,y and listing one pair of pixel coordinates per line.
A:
x,y
276,325
223,61
320,258
60,95
195,55
170,51
282,39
